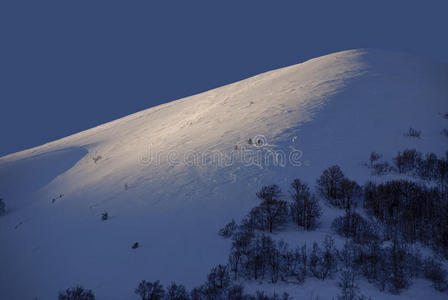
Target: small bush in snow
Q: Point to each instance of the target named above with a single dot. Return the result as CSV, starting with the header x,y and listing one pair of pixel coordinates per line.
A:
x,y
353,225
374,157
323,261
96,158
408,160
176,292
235,292
150,290
349,194
413,133
434,271
378,167
196,294
76,293
396,272
348,286
262,296
381,168
218,280
229,229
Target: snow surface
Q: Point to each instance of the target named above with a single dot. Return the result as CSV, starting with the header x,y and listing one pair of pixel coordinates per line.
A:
x,y
334,109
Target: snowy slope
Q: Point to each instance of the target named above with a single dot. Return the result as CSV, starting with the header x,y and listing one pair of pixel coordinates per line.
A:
x,y
141,169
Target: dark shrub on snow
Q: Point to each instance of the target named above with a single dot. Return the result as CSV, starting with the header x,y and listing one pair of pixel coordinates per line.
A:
x,y
273,211
305,209
413,133
76,293
337,189
150,290
353,225
434,271
176,292
229,229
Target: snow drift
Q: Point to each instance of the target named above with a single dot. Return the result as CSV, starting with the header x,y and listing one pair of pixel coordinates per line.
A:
x,y
172,175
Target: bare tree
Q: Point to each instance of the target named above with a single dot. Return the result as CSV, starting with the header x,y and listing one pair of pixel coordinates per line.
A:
x,y
218,280
374,157
150,290
433,270
235,292
274,211
76,293
270,193
229,229
329,183
348,286
350,191
305,209
176,292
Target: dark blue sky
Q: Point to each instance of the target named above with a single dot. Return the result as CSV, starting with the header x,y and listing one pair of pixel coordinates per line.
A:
x,y
66,66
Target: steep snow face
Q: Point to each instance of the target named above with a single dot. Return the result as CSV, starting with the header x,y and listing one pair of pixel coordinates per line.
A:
x,y
171,175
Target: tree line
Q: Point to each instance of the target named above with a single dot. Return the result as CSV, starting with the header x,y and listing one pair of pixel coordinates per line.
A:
x,y
414,163
381,222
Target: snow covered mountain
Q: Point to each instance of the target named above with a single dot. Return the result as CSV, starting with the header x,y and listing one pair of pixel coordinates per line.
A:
x,y
166,178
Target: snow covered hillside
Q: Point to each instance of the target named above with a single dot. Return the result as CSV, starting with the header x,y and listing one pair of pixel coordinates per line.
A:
x,y
165,177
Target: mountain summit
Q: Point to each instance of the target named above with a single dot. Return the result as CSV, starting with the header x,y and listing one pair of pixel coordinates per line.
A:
x,y
170,176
